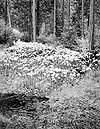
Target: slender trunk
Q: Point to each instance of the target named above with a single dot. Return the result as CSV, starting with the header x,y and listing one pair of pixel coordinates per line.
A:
x,y
82,18
88,20
5,12
5,15
55,18
38,12
91,26
63,16
34,21
68,13
30,18
8,12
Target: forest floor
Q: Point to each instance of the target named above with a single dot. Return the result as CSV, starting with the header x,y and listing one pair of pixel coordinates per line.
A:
x,y
60,91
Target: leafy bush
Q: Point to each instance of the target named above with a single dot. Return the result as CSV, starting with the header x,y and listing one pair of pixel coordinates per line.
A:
x,y
16,34
25,37
46,39
2,31
92,59
68,39
83,45
6,34
40,66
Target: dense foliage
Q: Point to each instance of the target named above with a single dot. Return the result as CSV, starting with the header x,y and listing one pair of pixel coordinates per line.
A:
x,y
53,83
6,33
41,71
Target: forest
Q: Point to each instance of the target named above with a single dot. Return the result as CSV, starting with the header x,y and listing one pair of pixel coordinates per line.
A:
x,y
49,64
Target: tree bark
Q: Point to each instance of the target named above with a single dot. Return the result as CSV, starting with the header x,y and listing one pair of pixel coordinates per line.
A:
x,y
8,12
82,18
37,12
62,15
34,21
91,26
5,16
55,18
68,13
5,12
30,18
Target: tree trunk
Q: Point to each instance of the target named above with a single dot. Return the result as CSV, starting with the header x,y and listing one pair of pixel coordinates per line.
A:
x,y
5,12
68,13
30,18
82,18
37,12
55,18
91,26
34,21
8,12
88,20
63,16
5,15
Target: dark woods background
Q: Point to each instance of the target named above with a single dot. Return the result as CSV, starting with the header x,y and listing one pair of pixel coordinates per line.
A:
x,y
68,20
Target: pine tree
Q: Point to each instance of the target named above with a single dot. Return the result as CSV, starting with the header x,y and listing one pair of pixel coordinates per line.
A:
x,y
37,19
91,25
5,11
63,15
55,17
82,18
30,10
34,21
68,13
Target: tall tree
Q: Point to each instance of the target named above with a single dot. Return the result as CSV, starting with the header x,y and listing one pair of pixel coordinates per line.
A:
x,y
82,18
30,10
5,11
5,16
34,21
63,15
55,2
8,12
91,25
38,17
68,14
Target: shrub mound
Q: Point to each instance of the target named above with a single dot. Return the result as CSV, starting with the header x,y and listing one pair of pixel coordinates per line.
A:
x,y
41,68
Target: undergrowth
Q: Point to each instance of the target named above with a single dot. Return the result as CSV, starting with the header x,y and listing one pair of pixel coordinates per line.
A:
x,y
39,70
